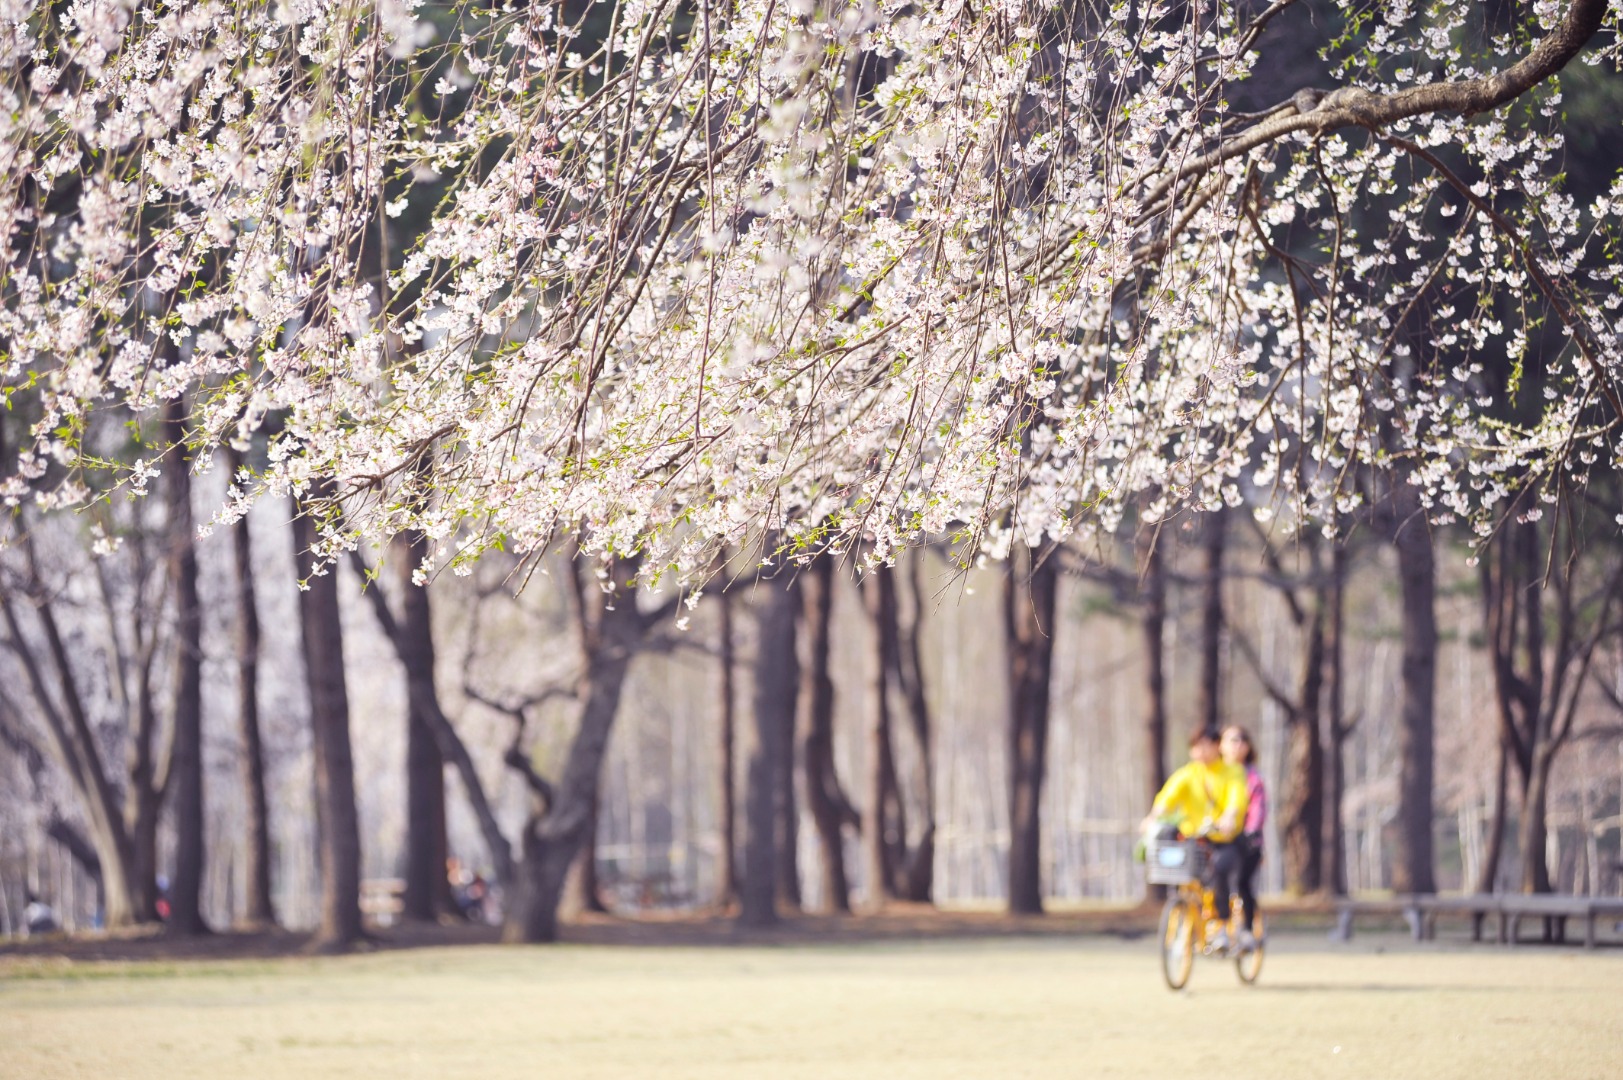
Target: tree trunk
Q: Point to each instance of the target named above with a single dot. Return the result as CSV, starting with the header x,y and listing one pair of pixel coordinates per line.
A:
x,y
427,893
824,798
1333,868
1533,834
186,731
258,911
1412,870
884,827
919,872
771,736
590,896
77,750
1029,605
340,843
1302,829
1210,705
728,870
1488,880
1153,622
557,826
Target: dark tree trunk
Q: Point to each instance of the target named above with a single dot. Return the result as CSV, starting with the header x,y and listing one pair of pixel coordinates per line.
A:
x,y
1333,869
427,892
186,731
827,803
1488,877
1533,834
1412,870
919,871
884,823
340,843
142,799
258,909
788,812
1153,620
777,678
1029,605
728,870
1210,705
612,630
1300,810
590,893
78,752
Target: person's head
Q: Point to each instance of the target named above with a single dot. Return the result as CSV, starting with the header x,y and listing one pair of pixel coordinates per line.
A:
x,y
1236,746
1203,745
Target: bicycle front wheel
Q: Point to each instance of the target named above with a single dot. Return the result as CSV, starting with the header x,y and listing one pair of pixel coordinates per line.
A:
x,y
1177,941
1249,963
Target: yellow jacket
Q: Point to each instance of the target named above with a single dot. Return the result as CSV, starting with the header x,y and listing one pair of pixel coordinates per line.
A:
x,y
1198,796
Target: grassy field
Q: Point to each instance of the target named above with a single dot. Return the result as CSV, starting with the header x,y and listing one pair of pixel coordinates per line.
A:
x,y
1073,1008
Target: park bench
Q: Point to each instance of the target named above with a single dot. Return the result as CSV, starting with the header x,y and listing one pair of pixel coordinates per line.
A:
x,y
382,900
1421,911
1407,905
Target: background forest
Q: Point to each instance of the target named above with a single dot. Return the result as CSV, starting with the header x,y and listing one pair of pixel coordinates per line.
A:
x,y
282,715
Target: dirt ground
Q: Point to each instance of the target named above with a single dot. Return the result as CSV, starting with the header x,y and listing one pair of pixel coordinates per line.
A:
x,y
1041,1004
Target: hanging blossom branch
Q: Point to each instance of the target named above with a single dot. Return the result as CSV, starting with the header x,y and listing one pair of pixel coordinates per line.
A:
x,y
672,277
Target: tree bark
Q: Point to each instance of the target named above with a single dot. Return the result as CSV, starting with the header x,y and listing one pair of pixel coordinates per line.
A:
x,y
1412,870
771,735
1210,706
1153,621
1333,862
427,893
884,826
1303,803
612,630
1030,596
340,843
728,870
259,911
918,873
827,803
186,731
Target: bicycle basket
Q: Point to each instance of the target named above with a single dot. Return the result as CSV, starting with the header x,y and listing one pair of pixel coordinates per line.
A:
x,y
1173,862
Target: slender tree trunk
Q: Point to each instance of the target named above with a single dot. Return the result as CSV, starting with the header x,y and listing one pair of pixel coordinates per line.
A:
x,y
79,753
1029,605
728,871
1153,621
1412,870
1533,834
1333,870
186,732
1488,880
1210,706
1304,769
340,843
590,897
259,910
558,825
427,893
771,735
823,796
788,814
142,799
884,826
919,872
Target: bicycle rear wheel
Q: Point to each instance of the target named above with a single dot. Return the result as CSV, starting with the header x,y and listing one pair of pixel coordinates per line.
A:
x,y
1177,941
1249,964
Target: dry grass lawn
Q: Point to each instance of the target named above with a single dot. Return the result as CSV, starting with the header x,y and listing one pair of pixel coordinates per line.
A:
x,y
1067,1007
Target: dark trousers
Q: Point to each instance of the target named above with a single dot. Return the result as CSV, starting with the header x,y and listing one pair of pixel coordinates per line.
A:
x,y
1223,875
1250,859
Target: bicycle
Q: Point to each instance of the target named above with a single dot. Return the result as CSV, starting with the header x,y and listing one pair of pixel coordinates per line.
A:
x,y
1189,918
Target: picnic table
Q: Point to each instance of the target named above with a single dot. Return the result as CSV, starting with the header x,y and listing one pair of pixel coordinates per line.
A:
x,y
1421,911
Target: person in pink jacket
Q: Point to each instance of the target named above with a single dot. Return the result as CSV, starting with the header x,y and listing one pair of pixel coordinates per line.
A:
x,y
1237,749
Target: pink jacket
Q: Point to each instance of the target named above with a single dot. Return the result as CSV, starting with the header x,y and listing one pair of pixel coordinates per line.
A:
x,y
1256,811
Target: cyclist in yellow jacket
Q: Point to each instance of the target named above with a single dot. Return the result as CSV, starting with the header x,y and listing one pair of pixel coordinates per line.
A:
x,y
1207,798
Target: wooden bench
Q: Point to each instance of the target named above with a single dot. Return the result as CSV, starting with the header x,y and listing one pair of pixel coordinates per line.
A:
x,y
382,900
1421,911
1408,906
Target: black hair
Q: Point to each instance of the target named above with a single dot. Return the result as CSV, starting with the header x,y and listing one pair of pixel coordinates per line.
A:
x,y
1205,734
